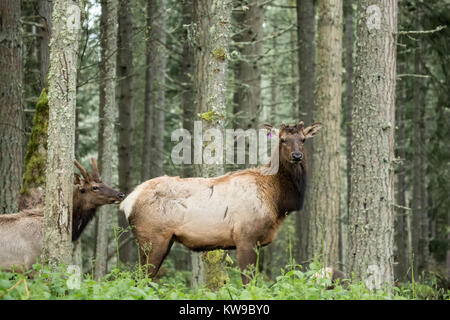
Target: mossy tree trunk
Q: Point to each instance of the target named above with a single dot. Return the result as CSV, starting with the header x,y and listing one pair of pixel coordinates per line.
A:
x,y
212,36
324,185
371,216
11,105
107,116
33,181
125,75
57,242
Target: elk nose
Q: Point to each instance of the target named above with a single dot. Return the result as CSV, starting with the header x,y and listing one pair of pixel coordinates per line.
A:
x,y
297,156
121,195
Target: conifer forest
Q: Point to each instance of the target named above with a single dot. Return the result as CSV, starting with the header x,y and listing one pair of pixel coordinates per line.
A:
x,y
224,150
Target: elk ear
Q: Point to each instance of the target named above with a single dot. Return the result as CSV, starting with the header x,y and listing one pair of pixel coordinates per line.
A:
x,y
270,130
312,130
76,179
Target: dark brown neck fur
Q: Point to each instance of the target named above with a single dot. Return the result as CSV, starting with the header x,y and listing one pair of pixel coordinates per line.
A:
x,y
290,186
81,215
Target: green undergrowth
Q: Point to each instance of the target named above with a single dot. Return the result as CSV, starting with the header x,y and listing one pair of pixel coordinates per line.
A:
x,y
293,284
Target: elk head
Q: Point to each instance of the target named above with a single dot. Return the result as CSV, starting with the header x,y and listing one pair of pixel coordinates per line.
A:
x,y
92,192
291,140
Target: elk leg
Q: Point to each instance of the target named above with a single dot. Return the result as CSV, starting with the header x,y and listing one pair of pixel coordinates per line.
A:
x,y
153,252
246,256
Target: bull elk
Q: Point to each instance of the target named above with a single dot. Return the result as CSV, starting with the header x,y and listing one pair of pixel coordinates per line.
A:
x,y
21,233
239,210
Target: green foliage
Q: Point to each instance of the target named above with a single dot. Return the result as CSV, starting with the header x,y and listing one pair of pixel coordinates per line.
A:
x,y
292,284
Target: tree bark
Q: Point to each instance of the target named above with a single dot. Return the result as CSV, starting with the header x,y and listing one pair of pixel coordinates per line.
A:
x,y
306,70
370,255
107,115
186,78
211,54
420,221
401,234
247,96
57,244
126,114
158,66
324,188
349,39
45,12
11,105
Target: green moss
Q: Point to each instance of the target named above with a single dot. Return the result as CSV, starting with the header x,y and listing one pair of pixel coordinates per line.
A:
x,y
36,156
215,273
219,54
209,115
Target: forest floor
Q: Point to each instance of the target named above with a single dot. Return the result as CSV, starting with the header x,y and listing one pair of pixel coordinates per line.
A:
x,y
293,284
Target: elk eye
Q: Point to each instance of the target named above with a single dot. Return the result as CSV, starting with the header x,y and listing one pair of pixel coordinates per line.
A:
x,y
82,190
283,140
94,188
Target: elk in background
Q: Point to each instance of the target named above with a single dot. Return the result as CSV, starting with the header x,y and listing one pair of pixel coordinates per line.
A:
x,y
239,210
21,233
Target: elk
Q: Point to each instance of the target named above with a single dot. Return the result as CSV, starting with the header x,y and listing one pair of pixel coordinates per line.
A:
x,y
239,210
21,233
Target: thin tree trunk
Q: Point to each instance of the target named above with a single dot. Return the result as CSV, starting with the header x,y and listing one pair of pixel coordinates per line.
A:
x,y
306,66
126,114
11,105
107,113
247,97
211,58
186,78
324,188
401,233
57,244
371,225
146,172
45,12
294,64
419,200
348,12
158,66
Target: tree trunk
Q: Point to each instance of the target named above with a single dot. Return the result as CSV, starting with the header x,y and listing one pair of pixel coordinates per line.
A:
x,y
306,65
107,113
158,66
186,78
247,96
324,188
371,223
11,105
294,65
45,12
348,12
401,233
211,59
420,228
57,244
126,114
33,181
